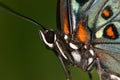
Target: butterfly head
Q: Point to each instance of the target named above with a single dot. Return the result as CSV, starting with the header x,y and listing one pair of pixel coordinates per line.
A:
x,y
48,37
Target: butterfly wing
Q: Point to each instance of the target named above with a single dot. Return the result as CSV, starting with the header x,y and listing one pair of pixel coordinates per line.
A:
x,y
69,14
103,22
106,30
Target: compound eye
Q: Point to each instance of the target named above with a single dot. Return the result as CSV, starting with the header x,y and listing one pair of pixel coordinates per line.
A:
x,y
49,36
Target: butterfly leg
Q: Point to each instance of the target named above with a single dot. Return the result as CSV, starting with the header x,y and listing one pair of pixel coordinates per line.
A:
x,y
99,69
66,71
103,75
90,75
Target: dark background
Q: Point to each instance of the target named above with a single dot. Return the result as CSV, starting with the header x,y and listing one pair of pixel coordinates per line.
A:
x,y
22,54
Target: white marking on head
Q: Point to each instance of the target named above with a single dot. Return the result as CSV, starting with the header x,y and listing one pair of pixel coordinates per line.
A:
x,y
61,51
73,46
114,77
76,56
65,37
90,60
44,40
91,52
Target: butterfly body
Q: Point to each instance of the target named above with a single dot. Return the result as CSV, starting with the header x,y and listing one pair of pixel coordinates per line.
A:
x,y
88,36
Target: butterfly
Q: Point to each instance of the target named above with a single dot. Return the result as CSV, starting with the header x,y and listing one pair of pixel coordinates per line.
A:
x,y
87,36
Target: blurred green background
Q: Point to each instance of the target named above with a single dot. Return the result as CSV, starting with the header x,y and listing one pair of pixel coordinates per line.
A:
x,y
22,54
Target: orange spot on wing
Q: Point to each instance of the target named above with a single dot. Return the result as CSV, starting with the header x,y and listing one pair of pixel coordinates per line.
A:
x,y
83,35
110,33
65,23
66,28
106,13
64,18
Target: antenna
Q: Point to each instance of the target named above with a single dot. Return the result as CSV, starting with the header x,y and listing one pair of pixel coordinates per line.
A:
x,y
10,11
